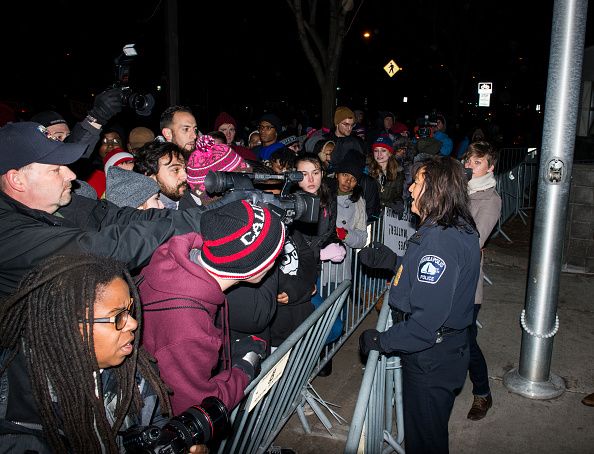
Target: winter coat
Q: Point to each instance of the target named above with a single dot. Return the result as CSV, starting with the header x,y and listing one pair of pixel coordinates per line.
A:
x,y
391,191
21,425
351,217
298,274
485,207
252,307
181,304
322,233
83,226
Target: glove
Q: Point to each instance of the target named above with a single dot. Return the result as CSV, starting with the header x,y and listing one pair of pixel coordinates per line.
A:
x,y
106,105
369,340
341,233
247,353
378,255
334,252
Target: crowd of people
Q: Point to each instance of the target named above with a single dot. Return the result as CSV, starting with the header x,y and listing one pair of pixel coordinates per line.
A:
x,y
105,231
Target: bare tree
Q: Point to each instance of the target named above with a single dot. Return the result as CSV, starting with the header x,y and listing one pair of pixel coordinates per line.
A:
x,y
323,53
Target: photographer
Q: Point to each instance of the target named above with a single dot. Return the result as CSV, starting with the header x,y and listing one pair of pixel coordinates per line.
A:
x,y
183,296
73,384
86,132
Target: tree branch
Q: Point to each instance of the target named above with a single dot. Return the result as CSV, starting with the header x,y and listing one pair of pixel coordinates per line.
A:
x,y
303,37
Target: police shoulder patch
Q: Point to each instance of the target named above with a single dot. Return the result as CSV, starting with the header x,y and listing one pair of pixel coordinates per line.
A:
x,y
431,268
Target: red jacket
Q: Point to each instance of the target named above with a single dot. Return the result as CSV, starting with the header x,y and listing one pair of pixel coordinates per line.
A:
x,y
180,303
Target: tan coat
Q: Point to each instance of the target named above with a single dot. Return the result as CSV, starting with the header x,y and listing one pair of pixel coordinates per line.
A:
x,y
485,207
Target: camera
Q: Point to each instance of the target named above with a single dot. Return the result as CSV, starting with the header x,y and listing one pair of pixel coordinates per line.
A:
x,y
423,128
142,103
197,425
289,206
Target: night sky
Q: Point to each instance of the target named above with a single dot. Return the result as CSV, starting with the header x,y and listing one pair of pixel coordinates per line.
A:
x,y
245,57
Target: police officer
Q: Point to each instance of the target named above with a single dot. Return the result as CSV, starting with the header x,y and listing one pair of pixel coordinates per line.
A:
x,y
432,302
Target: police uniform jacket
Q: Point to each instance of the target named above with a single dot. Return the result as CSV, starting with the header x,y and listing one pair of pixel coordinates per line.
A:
x,y
435,285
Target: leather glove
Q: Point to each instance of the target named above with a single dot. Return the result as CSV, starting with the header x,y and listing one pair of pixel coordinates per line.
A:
x,y
369,340
378,255
106,105
247,353
341,233
334,252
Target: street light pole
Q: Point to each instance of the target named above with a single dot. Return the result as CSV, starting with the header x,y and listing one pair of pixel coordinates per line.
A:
x,y
532,378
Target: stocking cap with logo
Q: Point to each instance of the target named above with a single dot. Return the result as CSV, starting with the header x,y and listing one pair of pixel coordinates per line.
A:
x,y
240,239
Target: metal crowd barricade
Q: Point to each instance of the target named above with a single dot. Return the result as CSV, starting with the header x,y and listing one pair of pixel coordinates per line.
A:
x,y
379,410
279,388
516,174
368,287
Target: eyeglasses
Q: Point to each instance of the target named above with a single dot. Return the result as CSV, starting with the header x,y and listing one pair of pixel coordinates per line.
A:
x,y
119,320
109,141
265,127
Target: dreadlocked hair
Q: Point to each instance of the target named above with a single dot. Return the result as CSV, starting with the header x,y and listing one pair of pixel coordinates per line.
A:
x,y
56,301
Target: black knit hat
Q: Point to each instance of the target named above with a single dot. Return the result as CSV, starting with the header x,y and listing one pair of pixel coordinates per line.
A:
x,y
240,239
352,163
273,120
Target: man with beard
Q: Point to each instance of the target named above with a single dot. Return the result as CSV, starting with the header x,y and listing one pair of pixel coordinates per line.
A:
x,y
40,217
178,125
164,162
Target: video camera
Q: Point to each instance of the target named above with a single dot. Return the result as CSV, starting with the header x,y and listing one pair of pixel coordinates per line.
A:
x,y
424,124
299,206
142,103
197,425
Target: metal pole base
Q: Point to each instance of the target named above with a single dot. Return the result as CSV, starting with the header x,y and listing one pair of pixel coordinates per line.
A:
x,y
531,389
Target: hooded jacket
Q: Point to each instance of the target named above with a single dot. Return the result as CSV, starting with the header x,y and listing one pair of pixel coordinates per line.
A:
x,y
182,304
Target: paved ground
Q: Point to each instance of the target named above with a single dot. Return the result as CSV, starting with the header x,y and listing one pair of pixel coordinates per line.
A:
x,y
514,424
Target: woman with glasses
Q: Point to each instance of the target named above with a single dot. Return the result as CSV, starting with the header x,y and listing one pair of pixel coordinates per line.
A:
x,y
72,376
92,171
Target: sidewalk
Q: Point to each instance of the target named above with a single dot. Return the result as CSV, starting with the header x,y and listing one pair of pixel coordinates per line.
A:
x,y
515,424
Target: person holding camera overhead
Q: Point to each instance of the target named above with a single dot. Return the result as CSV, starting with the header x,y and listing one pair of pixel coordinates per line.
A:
x,y
72,375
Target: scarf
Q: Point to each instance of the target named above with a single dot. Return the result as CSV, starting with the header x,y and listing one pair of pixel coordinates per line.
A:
x,y
482,183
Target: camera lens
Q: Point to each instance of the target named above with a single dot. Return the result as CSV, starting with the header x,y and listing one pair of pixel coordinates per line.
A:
x,y
200,423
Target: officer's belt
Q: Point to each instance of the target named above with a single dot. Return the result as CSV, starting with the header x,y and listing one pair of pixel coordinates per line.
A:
x,y
445,331
401,316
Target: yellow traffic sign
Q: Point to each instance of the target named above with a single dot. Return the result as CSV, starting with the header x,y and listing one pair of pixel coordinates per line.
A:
x,y
392,68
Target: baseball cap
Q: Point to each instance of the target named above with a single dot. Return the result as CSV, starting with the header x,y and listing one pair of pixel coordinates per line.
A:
x,y
48,118
24,143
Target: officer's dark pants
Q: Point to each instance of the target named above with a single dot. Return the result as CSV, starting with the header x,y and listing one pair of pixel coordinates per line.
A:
x,y
431,380
477,370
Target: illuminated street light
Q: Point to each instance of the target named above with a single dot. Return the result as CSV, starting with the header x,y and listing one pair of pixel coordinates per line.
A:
x,y
366,35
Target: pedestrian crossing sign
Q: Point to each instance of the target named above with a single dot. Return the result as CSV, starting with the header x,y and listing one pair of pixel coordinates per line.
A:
x,y
392,68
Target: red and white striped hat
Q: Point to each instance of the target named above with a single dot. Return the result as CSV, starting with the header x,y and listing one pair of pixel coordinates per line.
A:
x,y
116,157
